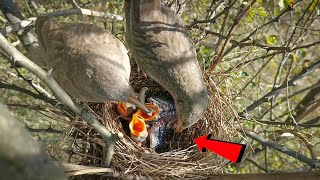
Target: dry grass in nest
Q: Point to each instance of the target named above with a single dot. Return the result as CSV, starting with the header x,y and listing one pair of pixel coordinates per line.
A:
x,y
184,158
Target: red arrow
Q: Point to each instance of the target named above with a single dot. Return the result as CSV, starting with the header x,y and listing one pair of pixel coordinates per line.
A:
x,y
228,150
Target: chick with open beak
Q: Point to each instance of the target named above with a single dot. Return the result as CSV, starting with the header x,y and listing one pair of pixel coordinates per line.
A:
x,y
88,62
162,48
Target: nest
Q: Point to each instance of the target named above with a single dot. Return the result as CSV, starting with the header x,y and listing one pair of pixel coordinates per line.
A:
x,y
183,159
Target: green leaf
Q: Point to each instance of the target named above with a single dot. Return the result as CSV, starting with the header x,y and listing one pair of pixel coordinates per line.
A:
x,y
272,39
251,15
294,57
262,12
243,74
290,2
207,51
249,19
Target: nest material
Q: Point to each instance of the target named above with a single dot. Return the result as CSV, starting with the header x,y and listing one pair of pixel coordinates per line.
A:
x,y
184,158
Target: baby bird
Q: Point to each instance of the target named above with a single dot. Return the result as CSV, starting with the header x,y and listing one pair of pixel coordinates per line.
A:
x,y
88,63
138,129
162,48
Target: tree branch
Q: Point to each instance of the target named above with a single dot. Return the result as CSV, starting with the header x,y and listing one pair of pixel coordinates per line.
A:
x,y
277,90
13,15
217,60
283,149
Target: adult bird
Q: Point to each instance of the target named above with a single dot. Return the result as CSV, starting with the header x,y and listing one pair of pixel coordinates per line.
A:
x,y
88,62
162,48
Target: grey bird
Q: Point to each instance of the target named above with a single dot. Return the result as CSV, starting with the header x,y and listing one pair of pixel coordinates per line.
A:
x,y
88,63
162,48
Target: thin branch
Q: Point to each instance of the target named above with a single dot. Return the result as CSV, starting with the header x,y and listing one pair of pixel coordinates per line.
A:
x,y
17,26
277,90
68,12
213,20
25,91
217,60
18,58
253,43
13,15
277,123
74,4
283,149
256,164
276,19
38,108
316,85
37,87
44,130
28,22
309,110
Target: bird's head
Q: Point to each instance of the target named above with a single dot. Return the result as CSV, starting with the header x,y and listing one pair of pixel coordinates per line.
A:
x,y
138,128
125,109
190,109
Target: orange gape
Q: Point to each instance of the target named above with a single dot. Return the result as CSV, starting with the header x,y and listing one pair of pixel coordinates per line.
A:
x,y
145,116
124,110
137,125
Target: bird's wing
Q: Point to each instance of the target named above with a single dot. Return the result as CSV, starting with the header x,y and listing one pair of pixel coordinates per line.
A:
x,y
87,62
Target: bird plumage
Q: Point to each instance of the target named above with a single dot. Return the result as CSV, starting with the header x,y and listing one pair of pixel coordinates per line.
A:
x,y
88,62
164,50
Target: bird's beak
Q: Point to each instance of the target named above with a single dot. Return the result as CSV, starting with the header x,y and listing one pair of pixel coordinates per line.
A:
x,y
137,125
125,109
135,101
147,117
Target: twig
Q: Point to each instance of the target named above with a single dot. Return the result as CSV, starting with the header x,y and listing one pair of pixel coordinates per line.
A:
x,y
13,15
45,130
26,23
253,43
310,109
109,138
277,123
17,26
276,19
256,164
283,149
277,90
68,12
74,4
217,60
25,91
213,20
37,87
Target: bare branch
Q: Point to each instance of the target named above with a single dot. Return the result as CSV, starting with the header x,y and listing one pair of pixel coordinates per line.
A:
x,y
28,22
217,60
253,43
44,130
277,90
283,149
